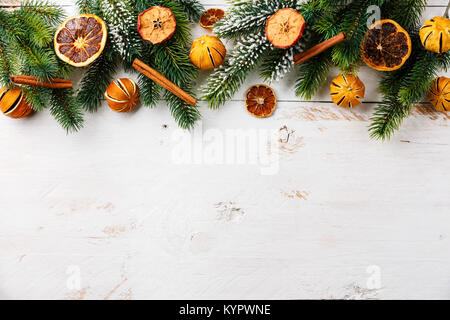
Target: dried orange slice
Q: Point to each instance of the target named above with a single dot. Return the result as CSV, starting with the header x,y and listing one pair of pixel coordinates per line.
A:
x,y
210,17
157,24
260,101
285,28
386,46
80,40
346,90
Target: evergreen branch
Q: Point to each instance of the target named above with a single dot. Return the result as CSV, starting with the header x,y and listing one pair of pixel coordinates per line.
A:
x,y
353,22
388,118
228,78
121,17
96,80
184,114
404,88
88,6
406,13
249,17
51,13
38,31
312,74
37,97
66,110
7,65
193,9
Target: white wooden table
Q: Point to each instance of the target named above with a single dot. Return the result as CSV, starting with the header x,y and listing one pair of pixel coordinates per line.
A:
x,y
113,212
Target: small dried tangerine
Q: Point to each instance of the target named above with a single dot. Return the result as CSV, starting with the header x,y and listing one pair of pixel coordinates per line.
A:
x,y
210,17
347,90
260,101
80,40
386,46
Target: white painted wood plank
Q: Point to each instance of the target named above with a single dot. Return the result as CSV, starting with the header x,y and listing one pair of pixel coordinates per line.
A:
x,y
112,202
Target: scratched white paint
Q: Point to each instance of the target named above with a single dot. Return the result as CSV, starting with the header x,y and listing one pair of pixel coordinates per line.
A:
x,y
110,203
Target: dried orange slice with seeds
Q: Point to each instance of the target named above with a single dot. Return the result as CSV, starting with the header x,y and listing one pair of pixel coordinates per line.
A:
x,y
210,17
157,24
80,40
285,28
260,101
386,46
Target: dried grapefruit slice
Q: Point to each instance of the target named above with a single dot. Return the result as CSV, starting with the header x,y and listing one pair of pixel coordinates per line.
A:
x,y
210,17
386,46
285,28
80,40
157,24
260,101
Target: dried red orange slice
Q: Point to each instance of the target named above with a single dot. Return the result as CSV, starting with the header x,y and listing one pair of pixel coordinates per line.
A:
x,y
386,46
157,24
260,101
210,17
285,28
80,40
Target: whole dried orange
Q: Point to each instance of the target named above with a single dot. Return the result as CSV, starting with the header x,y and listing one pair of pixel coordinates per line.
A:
x,y
386,46
80,40
435,34
439,95
210,17
157,24
285,28
346,90
14,104
260,101
207,52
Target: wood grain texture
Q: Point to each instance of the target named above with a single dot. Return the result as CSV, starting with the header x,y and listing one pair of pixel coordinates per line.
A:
x,y
111,205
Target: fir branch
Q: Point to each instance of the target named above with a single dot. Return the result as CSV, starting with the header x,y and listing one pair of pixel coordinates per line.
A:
x,y
66,110
312,74
250,17
8,65
38,31
407,13
121,17
193,9
37,97
228,78
353,22
404,88
277,63
96,80
51,13
184,114
88,7
388,118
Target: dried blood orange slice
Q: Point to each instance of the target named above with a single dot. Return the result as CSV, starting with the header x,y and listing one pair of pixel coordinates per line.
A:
x,y
285,28
210,17
157,24
80,40
386,46
260,101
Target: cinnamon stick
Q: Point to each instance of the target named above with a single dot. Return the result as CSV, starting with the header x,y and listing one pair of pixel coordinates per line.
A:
x,y
163,82
33,81
321,47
